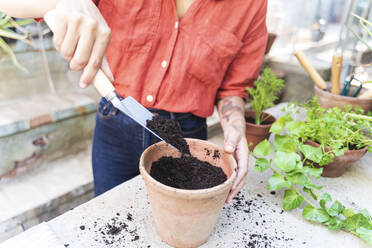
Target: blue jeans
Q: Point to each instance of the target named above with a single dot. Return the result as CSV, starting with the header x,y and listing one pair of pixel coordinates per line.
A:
x,y
119,142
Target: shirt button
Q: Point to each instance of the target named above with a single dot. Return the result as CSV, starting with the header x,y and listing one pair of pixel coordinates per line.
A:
x,y
149,98
164,64
176,25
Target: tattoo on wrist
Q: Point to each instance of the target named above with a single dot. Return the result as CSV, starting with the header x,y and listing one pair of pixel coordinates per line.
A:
x,y
227,109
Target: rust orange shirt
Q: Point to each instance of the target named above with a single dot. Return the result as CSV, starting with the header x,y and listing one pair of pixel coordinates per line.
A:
x,y
185,65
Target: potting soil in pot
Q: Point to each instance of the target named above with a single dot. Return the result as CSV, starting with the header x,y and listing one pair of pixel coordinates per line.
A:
x,y
251,120
186,172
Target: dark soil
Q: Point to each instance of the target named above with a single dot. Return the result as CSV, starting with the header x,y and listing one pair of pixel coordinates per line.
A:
x,y
216,154
170,131
187,173
251,120
262,235
114,232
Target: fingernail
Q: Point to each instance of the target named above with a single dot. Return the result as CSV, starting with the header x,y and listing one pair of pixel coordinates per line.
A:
x,y
83,85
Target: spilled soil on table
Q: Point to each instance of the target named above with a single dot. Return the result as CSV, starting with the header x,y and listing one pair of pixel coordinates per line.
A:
x,y
114,232
186,172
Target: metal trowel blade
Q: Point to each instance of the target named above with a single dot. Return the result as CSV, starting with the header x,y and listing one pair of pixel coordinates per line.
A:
x,y
136,111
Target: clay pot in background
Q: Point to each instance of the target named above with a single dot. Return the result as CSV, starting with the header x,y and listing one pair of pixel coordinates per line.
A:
x,y
257,133
328,100
270,41
186,218
340,163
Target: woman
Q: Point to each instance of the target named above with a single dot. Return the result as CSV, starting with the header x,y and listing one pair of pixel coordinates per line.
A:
x,y
177,58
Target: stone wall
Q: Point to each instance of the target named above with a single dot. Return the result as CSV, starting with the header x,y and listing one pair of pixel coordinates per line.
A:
x,y
39,130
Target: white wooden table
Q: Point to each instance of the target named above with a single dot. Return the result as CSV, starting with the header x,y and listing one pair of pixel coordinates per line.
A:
x,y
253,219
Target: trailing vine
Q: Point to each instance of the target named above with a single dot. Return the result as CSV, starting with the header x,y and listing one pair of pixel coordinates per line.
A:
x,y
297,174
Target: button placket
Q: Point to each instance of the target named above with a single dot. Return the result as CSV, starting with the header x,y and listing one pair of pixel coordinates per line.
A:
x,y
165,63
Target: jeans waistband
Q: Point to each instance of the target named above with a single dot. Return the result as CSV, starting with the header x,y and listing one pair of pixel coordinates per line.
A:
x,y
170,115
163,113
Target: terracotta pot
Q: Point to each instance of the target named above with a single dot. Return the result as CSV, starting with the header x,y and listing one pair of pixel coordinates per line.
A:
x,y
328,100
257,133
270,41
186,218
340,163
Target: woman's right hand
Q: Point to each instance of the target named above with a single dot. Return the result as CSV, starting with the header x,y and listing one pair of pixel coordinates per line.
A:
x,y
82,35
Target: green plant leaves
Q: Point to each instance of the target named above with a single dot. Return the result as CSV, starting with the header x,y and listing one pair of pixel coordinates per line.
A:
x,y
365,213
315,172
11,54
365,234
278,126
311,193
262,149
357,220
297,178
277,181
291,200
261,164
286,161
315,214
263,95
325,198
6,22
335,224
295,127
331,129
314,154
348,212
284,144
335,209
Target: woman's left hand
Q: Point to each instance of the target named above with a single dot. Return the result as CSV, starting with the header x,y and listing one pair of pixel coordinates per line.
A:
x,y
231,111
236,143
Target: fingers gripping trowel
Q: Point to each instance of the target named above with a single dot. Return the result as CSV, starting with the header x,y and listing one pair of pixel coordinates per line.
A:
x,y
128,106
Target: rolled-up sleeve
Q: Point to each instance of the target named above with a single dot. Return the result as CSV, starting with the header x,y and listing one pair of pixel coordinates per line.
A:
x,y
245,67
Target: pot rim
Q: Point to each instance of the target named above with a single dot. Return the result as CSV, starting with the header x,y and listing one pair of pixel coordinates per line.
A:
x,y
187,193
259,126
312,143
353,100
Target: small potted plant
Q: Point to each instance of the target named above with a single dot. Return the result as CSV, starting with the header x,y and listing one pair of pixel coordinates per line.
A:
x,y
261,97
330,139
342,139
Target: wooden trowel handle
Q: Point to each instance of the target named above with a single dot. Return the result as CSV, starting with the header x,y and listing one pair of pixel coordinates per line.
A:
x,y
100,81
336,72
315,76
366,95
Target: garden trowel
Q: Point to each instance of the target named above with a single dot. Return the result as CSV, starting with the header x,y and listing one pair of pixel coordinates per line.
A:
x,y
128,106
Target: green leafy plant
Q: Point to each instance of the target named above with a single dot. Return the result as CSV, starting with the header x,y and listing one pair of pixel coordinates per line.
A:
x,y
264,93
297,175
333,130
6,25
364,23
